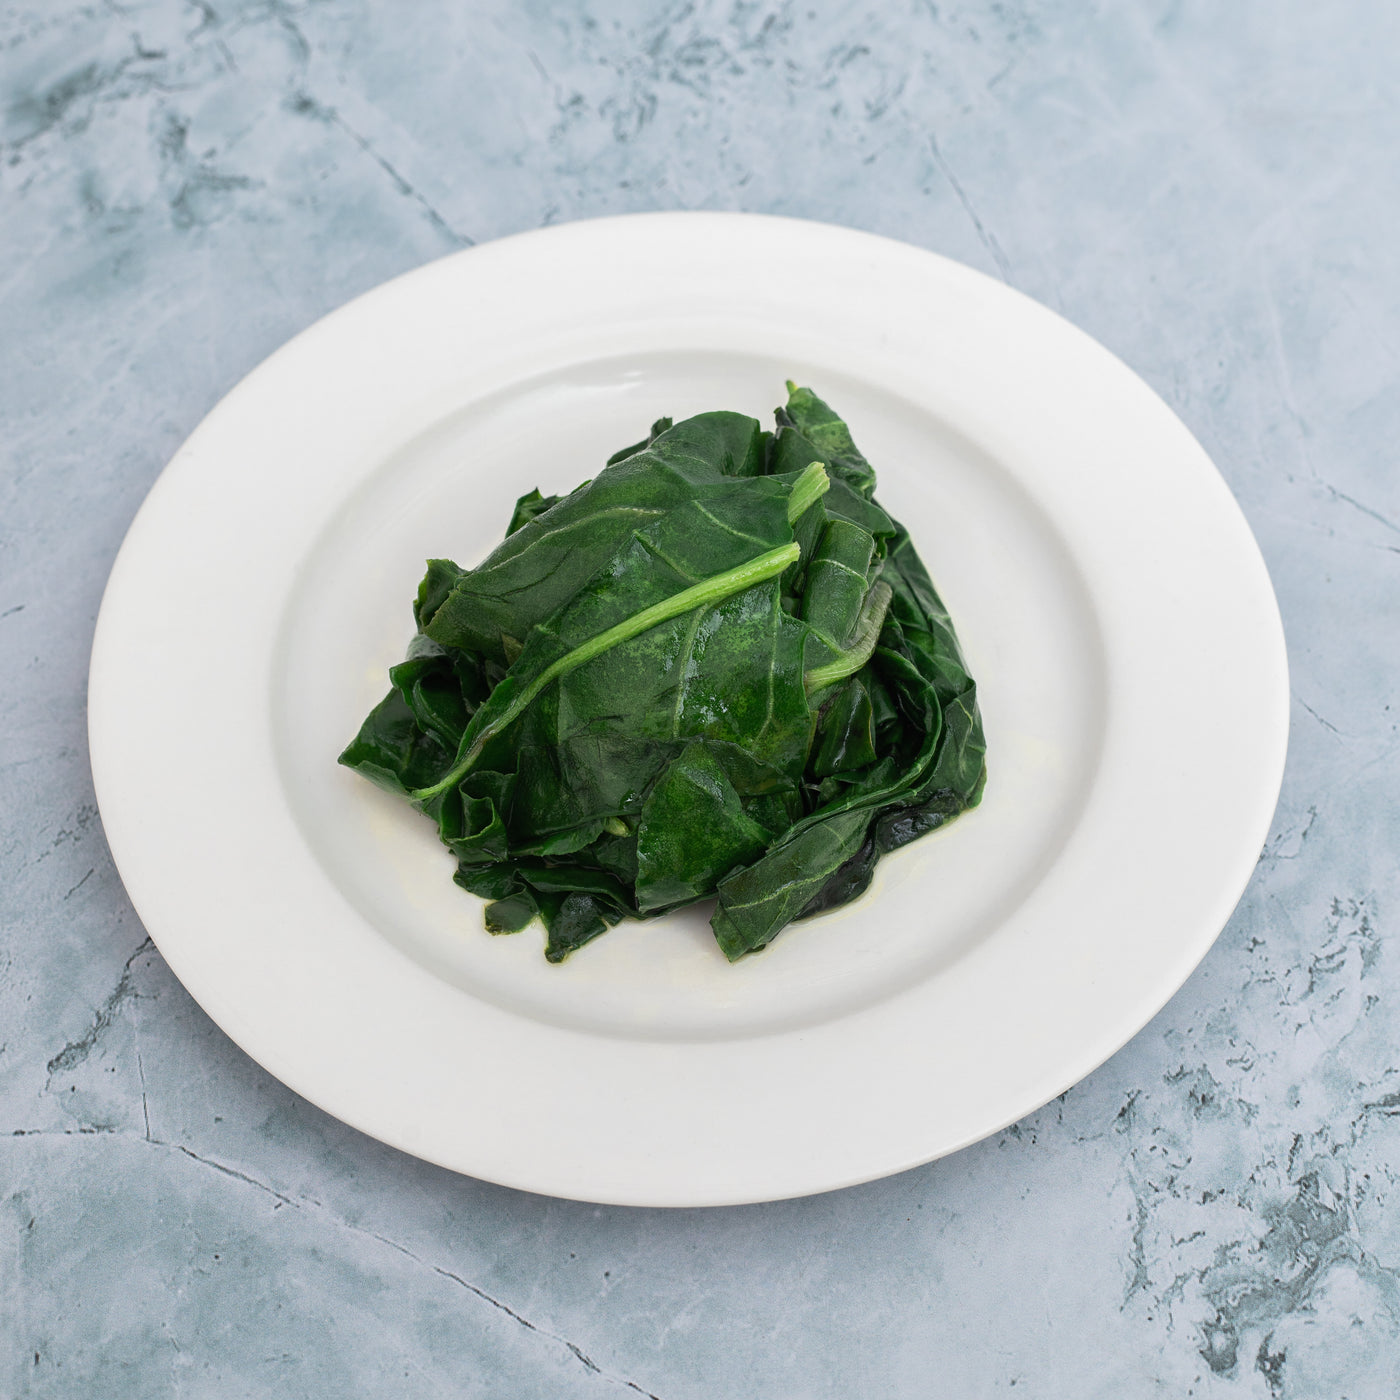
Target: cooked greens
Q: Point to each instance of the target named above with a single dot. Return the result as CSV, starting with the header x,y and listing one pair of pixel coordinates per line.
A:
x,y
717,669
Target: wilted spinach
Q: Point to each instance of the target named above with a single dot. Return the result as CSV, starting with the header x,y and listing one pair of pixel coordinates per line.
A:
x,y
718,668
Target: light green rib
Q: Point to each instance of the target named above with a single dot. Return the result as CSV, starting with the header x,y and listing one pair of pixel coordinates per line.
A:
x,y
807,490
868,625
703,594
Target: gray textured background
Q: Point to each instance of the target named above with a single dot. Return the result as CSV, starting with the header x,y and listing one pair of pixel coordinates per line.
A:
x,y
1211,190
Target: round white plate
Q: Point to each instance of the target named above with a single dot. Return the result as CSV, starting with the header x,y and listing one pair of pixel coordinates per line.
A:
x,y
1113,606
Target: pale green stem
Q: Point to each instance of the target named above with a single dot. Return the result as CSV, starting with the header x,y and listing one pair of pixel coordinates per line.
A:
x,y
703,594
807,490
862,647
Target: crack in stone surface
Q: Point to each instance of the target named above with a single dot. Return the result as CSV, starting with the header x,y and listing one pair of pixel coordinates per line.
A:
x,y
1362,507
1325,723
307,105
320,1208
74,889
76,1051
145,1107
984,234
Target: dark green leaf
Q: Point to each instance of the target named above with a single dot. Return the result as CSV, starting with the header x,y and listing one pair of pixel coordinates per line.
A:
x,y
757,903
805,413
846,732
490,881
580,919
715,668
512,913
657,428
528,507
848,882
432,690
442,577
693,831
472,829
392,751
539,568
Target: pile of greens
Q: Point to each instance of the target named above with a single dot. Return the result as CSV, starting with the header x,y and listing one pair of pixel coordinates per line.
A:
x,y
716,669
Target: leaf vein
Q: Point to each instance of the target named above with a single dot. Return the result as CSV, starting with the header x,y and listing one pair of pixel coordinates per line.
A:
x,y
728,529
835,564
688,651
657,552
553,534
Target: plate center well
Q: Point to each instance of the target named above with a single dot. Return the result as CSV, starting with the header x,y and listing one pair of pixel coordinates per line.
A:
x,y
1020,609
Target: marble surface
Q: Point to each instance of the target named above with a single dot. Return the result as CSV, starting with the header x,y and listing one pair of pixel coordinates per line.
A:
x,y
1208,189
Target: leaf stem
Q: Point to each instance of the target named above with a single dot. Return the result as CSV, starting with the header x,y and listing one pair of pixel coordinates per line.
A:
x,y
702,594
862,647
807,490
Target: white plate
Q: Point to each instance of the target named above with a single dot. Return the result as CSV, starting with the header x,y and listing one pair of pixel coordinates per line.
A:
x,y
1112,603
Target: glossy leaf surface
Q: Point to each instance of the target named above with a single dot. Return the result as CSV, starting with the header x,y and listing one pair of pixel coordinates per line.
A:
x,y
718,669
